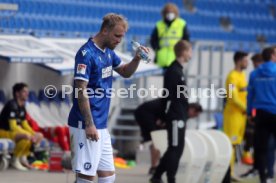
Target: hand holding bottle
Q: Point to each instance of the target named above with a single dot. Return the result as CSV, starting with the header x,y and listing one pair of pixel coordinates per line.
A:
x,y
142,51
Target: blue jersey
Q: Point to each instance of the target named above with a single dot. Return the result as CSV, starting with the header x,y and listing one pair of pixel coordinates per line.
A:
x,y
95,66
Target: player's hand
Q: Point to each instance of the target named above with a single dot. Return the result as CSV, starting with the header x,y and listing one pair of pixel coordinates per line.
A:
x,y
37,137
29,137
33,139
160,124
145,49
91,133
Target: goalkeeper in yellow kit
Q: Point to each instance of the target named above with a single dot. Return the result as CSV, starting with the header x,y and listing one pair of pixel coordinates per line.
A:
x,y
13,125
235,109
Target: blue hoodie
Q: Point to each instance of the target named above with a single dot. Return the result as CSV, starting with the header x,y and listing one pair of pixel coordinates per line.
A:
x,y
262,88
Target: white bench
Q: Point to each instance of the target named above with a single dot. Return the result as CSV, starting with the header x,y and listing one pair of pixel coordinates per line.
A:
x,y
206,155
7,147
197,157
219,155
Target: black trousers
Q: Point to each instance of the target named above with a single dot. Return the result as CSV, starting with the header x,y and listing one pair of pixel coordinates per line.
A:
x,y
249,136
265,127
170,160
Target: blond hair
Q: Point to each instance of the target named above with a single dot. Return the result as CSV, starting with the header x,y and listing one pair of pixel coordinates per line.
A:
x,y
170,7
112,19
181,46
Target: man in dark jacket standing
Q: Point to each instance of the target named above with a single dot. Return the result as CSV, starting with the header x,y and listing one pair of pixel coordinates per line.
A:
x,y
176,113
262,96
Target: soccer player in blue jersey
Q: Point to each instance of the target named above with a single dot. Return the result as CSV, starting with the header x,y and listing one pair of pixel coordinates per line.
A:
x,y
94,63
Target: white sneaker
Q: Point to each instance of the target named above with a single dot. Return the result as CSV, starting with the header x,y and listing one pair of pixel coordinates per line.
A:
x,y
269,180
17,165
24,161
235,178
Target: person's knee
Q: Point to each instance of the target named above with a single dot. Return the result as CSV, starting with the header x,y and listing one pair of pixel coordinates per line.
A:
x,y
82,180
109,179
21,136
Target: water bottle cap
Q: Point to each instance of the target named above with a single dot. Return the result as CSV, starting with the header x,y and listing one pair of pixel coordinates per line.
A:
x,y
135,43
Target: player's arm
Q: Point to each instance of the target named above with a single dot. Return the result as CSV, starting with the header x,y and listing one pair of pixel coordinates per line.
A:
x,y
84,106
12,120
126,70
27,127
236,99
16,128
234,93
82,73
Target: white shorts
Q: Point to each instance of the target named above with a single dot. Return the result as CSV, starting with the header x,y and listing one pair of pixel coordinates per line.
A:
x,y
90,156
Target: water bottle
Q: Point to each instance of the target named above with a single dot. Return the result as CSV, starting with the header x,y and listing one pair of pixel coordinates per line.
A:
x,y
142,53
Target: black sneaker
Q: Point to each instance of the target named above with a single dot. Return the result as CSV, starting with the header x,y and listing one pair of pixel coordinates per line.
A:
x,y
250,173
153,180
152,170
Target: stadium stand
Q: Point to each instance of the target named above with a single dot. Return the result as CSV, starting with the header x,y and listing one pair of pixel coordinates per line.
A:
x,y
249,20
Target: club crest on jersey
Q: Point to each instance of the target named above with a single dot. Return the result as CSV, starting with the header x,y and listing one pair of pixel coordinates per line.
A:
x,y
87,166
81,69
106,72
12,114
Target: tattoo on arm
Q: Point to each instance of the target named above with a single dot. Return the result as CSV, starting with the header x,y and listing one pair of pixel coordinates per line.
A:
x,y
83,102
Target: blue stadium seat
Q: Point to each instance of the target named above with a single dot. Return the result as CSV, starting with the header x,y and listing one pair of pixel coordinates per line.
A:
x,y
43,97
248,18
33,98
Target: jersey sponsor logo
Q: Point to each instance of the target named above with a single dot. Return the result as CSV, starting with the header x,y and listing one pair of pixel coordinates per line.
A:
x,y
87,166
106,72
12,114
81,69
81,145
83,52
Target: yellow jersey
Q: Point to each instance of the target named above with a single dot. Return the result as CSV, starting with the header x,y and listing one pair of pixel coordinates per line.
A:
x,y
236,87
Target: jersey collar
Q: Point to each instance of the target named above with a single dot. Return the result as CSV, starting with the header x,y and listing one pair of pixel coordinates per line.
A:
x,y
93,43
